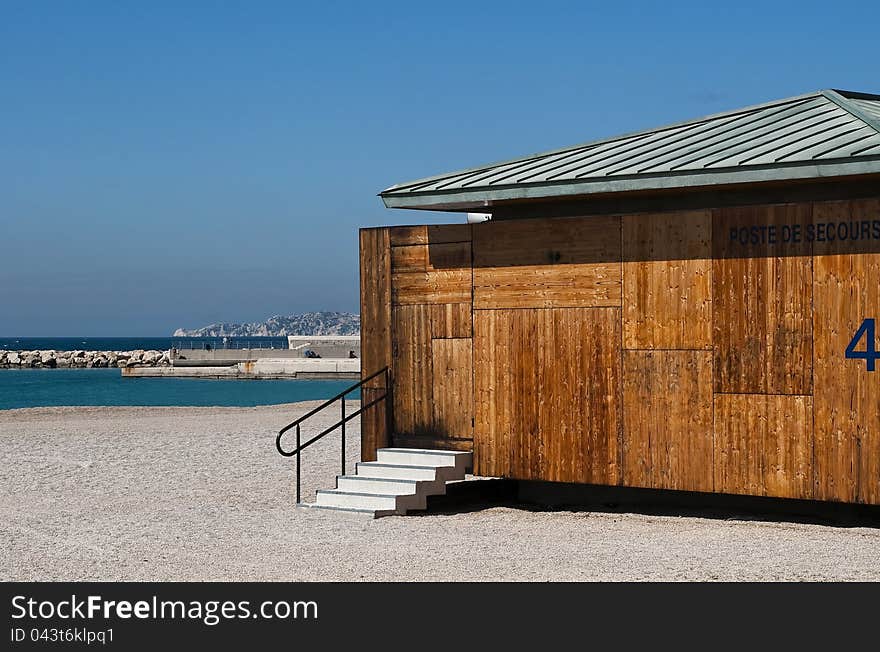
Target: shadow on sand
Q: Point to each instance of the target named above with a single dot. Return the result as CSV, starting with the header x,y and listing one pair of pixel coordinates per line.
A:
x,y
479,494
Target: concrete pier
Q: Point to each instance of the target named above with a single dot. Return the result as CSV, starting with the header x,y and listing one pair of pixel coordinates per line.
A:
x,y
263,368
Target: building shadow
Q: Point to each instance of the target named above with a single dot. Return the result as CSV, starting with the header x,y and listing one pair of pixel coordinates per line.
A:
x,y
480,494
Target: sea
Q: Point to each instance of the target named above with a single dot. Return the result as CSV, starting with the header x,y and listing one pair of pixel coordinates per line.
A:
x,y
135,343
22,388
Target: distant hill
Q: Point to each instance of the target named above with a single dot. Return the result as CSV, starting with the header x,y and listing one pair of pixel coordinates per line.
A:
x,y
307,323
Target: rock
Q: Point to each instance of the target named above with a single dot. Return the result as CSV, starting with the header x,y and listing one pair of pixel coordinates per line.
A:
x,y
79,358
151,357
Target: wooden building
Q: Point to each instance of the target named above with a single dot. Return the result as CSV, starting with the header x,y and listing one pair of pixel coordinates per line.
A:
x,y
687,308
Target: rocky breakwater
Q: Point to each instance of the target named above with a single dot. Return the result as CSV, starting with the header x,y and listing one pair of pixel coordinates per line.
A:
x,y
82,359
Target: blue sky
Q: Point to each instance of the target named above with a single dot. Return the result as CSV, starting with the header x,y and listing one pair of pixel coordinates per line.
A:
x,y
174,164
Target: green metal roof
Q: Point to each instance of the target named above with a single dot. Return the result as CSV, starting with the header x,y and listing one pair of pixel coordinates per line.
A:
x,y
829,133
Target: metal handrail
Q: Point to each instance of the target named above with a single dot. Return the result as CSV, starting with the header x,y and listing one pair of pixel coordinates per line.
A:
x,y
345,418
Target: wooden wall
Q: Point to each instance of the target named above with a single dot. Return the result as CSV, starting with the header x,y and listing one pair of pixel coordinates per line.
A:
x,y
699,350
375,263
537,418
416,287
846,290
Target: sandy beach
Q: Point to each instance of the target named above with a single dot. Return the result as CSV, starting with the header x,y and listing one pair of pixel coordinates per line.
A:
x,y
201,494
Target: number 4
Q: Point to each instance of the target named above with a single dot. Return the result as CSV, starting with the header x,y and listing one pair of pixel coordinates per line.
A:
x,y
870,354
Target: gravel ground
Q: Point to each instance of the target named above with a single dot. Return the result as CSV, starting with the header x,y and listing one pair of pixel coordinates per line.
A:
x,y
201,494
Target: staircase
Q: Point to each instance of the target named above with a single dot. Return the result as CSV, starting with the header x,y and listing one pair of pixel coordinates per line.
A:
x,y
399,481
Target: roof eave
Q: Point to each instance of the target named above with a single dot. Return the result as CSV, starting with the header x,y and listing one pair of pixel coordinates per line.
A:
x,y
482,198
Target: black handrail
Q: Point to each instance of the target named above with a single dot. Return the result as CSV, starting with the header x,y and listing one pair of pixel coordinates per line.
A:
x,y
300,447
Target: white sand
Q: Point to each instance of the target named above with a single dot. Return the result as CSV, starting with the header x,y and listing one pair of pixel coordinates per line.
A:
x,y
201,494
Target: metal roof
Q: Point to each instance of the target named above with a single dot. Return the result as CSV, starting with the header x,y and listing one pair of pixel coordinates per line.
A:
x,y
822,134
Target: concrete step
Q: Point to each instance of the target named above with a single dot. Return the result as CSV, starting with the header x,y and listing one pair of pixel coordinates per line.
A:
x,y
405,471
349,511
361,484
421,457
401,480
399,504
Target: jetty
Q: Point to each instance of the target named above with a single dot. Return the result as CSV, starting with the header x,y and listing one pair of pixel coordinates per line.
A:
x,y
262,369
327,357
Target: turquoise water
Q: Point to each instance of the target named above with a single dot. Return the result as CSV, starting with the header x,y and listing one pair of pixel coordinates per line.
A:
x,y
53,387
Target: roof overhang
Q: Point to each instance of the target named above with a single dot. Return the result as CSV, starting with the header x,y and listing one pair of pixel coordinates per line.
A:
x,y
824,135
484,198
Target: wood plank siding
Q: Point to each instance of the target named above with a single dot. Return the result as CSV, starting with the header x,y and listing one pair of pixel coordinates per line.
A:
x,y
429,320
762,304
847,396
698,350
537,418
431,273
452,369
547,263
763,445
375,267
667,419
667,281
